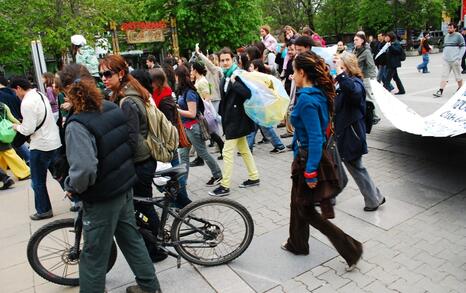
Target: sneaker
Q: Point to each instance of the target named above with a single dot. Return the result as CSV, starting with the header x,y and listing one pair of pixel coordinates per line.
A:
x,y
197,162
286,135
438,94
220,157
278,150
37,216
214,181
249,183
220,191
7,184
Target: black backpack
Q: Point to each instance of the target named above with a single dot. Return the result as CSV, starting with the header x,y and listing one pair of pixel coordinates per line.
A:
x,y
403,54
368,112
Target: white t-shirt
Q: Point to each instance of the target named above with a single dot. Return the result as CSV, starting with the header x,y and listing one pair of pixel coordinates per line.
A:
x,y
47,138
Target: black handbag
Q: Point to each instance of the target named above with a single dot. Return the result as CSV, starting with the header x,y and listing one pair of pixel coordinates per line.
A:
x,y
331,173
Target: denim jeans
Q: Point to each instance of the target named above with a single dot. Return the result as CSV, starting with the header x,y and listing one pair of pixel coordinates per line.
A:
x,y
194,136
40,162
24,153
269,134
382,76
182,199
392,73
423,65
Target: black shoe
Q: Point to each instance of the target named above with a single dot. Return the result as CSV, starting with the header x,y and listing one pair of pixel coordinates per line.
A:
x,y
400,93
220,157
25,178
37,217
220,191
368,209
286,135
249,183
211,145
281,125
7,184
159,256
264,140
214,181
278,150
290,146
74,208
197,162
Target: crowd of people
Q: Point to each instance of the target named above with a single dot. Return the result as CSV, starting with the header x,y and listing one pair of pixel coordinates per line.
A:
x,y
91,125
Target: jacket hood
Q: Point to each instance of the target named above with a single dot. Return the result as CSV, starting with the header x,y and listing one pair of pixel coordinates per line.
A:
x,y
8,91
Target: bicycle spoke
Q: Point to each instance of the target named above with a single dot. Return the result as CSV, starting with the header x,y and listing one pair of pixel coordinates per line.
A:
x,y
67,245
57,265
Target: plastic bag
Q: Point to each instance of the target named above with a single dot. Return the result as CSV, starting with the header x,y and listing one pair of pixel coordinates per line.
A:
x,y
7,133
211,116
269,101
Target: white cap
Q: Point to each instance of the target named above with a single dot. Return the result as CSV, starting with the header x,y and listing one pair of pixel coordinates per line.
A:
x,y
78,40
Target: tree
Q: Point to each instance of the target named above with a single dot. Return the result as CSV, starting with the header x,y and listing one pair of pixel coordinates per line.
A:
x,y
54,22
211,23
337,17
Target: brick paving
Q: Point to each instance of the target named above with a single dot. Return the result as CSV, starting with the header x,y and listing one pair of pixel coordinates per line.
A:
x,y
415,243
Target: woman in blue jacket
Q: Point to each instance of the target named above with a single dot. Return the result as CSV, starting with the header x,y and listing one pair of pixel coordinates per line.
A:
x,y
350,129
310,118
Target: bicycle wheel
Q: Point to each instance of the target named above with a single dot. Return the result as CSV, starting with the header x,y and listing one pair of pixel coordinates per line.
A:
x,y
212,231
49,253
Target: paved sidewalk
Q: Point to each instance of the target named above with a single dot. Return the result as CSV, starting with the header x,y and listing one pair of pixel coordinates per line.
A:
x,y
416,242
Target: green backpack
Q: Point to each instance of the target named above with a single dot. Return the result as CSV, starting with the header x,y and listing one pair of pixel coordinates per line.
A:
x,y
7,133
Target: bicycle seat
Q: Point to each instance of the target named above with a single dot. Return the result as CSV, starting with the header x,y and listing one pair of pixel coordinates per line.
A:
x,y
174,172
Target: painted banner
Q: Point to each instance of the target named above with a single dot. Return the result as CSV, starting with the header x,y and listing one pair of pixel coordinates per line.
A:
x,y
449,120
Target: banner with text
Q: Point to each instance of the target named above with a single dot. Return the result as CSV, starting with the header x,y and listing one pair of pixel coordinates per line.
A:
x,y
449,120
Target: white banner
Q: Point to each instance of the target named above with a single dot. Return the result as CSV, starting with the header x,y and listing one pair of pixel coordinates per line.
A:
x,y
449,120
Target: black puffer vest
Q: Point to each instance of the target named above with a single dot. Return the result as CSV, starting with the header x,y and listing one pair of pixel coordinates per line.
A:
x,y
115,171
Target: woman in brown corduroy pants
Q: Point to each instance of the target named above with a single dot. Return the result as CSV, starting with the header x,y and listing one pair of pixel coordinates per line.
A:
x,y
310,117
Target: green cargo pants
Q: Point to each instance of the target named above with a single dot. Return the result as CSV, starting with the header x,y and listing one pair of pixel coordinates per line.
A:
x,y
101,221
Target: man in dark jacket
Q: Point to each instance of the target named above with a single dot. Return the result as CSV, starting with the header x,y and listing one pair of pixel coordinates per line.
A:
x,y
394,52
9,98
236,124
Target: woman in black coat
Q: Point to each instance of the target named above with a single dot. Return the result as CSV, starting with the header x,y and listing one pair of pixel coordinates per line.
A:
x,y
394,52
350,129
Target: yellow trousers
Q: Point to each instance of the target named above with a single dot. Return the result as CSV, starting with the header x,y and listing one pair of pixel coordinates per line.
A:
x,y
9,159
228,159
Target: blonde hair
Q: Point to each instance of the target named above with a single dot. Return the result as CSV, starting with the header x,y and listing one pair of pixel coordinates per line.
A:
x,y
351,63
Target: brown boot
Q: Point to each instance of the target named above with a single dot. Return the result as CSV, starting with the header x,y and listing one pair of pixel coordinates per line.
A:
x,y
137,289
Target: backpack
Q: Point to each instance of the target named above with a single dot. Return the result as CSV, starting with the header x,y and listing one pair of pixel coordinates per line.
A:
x,y
162,137
403,54
368,112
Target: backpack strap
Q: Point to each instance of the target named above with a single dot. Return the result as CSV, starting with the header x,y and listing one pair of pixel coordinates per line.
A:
x,y
45,108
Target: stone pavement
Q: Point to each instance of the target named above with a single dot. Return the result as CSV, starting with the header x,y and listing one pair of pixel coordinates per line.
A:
x,y
416,242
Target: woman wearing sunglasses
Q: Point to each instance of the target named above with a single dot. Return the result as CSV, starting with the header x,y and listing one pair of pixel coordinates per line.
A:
x,y
131,96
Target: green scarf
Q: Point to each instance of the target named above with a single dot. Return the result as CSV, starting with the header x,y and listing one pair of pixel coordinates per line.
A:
x,y
228,72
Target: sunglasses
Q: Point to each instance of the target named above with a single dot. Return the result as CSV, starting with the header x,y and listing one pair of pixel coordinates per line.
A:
x,y
106,74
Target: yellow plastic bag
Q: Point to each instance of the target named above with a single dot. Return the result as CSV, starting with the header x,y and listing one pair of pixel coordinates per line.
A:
x,y
269,101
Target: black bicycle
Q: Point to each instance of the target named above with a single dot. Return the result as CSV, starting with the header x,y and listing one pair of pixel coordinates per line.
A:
x,y
207,232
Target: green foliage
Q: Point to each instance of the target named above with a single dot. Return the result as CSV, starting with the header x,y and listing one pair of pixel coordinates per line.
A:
x,y
54,22
211,23
375,15
335,17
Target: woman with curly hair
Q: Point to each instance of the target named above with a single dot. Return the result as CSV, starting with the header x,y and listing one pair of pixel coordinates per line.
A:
x,y
310,118
102,175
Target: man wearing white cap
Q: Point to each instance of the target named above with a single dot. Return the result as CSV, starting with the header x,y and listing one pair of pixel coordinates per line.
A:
x,y
85,55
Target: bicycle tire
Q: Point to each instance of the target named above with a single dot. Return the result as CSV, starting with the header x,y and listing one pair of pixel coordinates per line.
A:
x,y
37,266
182,249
